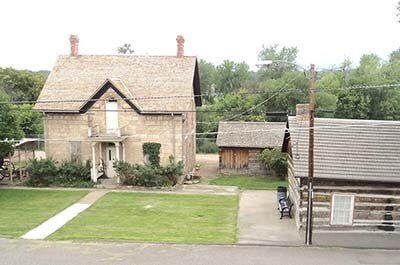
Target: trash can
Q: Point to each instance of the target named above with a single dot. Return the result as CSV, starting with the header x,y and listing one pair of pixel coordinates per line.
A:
x,y
281,193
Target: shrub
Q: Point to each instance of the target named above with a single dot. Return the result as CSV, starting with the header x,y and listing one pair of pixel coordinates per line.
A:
x,y
42,172
148,175
275,160
73,171
153,152
70,174
173,170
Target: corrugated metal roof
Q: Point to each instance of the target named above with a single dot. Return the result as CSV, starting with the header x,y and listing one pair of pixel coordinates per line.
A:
x,y
250,134
348,149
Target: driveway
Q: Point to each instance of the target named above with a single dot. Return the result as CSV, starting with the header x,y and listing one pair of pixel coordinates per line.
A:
x,y
259,221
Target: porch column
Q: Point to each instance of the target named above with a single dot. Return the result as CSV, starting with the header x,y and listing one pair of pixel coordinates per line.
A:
x,y
123,152
117,144
94,169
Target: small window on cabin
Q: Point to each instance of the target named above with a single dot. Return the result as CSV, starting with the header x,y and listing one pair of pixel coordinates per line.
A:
x,y
342,209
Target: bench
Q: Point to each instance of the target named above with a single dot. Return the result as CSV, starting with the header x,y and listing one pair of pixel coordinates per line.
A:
x,y
285,207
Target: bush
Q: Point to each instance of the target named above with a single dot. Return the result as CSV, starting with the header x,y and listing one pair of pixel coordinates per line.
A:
x,y
42,172
148,175
73,171
275,160
153,152
70,174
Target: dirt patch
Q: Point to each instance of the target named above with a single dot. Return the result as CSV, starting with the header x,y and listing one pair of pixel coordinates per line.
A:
x,y
208,166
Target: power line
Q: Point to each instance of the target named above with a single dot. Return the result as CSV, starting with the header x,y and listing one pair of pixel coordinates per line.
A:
x,y
290,130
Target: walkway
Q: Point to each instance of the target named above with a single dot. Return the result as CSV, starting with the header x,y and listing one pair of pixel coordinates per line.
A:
x,y
56,222
259,221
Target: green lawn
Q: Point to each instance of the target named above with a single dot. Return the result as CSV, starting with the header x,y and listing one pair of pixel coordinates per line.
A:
x,y
249,183
22,210
156,218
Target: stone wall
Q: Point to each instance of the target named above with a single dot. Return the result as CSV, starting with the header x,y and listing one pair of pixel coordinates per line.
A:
x,y
173,132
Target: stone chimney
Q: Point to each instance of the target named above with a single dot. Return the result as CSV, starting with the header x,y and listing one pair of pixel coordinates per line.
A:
x,y
74,40
180,41
302,112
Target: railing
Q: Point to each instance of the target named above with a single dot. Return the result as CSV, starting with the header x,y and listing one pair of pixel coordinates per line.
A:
x,y
95,131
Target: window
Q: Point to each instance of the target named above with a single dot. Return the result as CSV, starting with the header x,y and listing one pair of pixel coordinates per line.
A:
x,y
76,150
342,209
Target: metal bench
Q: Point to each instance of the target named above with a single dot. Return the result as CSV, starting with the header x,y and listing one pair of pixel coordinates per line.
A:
x,y
285,207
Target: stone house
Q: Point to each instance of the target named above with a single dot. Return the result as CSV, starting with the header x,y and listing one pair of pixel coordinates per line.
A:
x,y
356,172
240,144
103,108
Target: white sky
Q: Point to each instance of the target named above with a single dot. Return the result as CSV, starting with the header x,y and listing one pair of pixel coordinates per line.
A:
x,y
33,33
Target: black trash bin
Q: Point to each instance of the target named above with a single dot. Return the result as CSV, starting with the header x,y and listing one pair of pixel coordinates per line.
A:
x,y
281,193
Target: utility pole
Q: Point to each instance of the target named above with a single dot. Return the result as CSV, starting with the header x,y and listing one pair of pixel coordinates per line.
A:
x,y
309,224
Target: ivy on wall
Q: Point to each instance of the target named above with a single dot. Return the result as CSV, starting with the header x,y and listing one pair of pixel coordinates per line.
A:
x,y
152,150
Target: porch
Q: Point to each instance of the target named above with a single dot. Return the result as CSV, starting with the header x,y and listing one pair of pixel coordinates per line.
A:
x,y
105,151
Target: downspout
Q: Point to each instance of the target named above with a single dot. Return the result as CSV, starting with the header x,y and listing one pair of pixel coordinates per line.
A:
x,y
173,137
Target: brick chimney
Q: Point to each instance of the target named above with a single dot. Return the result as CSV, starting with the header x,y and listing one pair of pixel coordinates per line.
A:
x,y
302,112
74,40
180,41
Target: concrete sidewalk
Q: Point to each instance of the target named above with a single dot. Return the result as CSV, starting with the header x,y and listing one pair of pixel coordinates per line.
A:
x,y
259,221
56,222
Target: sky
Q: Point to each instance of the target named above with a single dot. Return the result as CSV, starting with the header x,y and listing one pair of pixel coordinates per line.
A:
x,y
34,33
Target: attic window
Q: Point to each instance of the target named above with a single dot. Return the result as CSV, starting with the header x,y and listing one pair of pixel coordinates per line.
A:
x,y
112,100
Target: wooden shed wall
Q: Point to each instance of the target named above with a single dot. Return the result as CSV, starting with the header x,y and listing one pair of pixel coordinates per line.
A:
x,y
243,161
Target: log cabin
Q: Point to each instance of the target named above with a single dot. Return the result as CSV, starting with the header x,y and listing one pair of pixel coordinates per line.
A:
x,y
356,172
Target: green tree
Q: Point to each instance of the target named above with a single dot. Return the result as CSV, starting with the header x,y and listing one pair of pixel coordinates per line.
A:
x,y
125,49
29,120
230,76
207,73
21,85
285,60
9,127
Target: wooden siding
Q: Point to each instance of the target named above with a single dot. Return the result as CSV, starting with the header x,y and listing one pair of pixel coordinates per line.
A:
x,y
236,158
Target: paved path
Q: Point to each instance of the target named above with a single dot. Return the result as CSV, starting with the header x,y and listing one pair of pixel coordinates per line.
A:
x,y
56,222
33,252
259,221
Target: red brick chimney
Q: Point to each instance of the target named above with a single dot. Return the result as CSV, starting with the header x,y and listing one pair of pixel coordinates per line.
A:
x,y
180,41
74,40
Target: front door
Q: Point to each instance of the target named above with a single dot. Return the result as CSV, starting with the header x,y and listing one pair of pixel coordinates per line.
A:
x,y
111,157
112,117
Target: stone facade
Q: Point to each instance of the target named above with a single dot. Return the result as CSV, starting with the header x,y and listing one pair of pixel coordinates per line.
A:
x,y
68,134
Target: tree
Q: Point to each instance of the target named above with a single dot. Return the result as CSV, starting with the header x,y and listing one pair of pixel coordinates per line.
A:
x,y
21,85
125,49
29,121
9,127
207,75
285,58
230,76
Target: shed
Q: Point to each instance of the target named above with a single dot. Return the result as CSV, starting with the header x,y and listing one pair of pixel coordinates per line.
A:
x,y
240,143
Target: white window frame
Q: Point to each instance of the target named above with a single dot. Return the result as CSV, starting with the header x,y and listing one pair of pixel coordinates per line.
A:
x,y
351,209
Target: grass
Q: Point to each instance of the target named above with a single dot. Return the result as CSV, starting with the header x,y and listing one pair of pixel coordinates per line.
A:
x,y
156,218
249,183
22,210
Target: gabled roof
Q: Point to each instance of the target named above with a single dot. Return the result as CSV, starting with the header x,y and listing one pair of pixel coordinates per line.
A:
x,y
348,149
250,134
160,83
